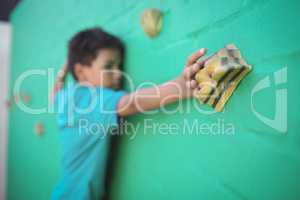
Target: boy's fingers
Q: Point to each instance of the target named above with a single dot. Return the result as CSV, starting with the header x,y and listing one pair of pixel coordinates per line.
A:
x,y
202,62
189,72
196,91
193,58
193,84
58,85
195,68
64,66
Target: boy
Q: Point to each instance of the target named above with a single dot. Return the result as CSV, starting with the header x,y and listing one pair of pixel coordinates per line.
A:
x,y
95,58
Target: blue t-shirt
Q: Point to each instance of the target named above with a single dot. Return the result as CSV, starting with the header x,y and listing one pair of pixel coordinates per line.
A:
x,y
86,116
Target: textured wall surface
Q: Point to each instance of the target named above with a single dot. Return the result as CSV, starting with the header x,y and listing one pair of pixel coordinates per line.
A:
x,y
257,162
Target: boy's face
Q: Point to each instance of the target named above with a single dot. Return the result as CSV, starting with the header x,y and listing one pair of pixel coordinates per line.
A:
x,y
104,70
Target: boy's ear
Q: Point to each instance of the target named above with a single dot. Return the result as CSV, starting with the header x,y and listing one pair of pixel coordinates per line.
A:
x,y
78,70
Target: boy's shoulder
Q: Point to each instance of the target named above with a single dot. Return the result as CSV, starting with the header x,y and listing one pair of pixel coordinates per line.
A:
x,y
79,95
93,104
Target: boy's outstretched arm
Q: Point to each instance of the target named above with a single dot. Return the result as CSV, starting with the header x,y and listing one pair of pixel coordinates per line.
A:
x,y
171,91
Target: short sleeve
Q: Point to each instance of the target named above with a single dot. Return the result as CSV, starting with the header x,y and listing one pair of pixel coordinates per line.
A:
x,y
74,105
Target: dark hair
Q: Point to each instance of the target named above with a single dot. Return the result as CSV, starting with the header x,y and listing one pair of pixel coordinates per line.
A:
x,y
84,47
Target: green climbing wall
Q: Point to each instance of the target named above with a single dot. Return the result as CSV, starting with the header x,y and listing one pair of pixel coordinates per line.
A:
x,y
259,158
